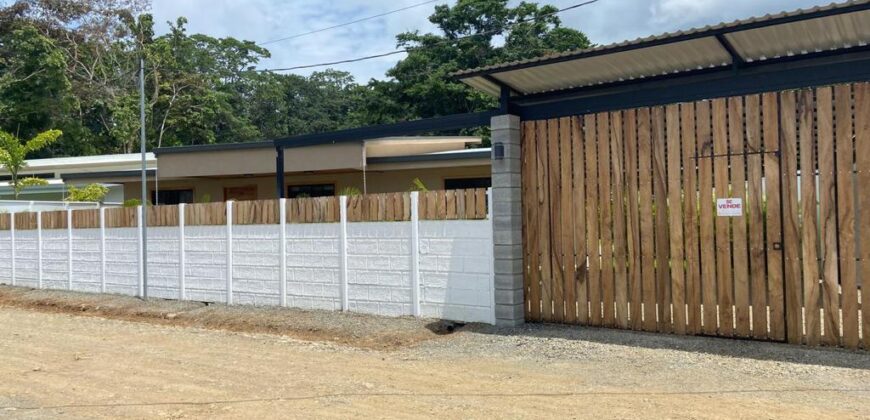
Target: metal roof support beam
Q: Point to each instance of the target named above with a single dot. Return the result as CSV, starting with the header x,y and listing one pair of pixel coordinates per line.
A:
x,y
737,60
279,172
426,125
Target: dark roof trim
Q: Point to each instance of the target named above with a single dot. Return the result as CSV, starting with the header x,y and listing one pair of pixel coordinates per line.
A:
x,y
663,40
213,147
723,82
448,122
42,175
478,154
108,174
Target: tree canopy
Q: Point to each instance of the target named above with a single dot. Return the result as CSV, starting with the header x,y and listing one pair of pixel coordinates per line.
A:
x,y
72,66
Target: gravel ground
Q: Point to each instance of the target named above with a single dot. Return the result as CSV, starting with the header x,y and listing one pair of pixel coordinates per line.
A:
x,y
287,363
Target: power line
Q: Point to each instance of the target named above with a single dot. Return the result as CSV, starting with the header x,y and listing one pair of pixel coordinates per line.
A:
x,y
490,32
348,23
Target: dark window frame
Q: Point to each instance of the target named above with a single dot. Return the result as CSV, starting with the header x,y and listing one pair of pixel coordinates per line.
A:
x,y
175,200
311,190
467,183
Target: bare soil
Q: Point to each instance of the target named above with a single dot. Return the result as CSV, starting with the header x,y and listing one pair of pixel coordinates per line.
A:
x,y
218,362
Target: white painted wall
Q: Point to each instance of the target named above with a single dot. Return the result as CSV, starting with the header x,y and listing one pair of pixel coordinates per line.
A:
x,y
455,265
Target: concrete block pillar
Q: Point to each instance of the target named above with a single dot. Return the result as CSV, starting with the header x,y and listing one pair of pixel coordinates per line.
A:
x,y
507,220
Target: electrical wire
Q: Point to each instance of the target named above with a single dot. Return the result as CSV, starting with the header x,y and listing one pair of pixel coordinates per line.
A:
x,y
348,23
453,40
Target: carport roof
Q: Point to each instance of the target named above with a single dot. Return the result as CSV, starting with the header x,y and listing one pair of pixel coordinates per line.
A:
x,y
835,27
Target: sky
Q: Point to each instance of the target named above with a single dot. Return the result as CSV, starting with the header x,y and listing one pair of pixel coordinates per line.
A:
x,y
604,22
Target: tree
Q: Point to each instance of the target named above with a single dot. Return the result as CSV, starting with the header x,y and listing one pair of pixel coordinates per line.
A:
x,y
469,31
88,193
13,156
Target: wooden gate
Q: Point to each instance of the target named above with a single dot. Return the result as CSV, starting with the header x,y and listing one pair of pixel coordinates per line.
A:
x,y
625,220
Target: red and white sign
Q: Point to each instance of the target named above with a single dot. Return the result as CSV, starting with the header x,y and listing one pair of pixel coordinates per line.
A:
x,y
729,207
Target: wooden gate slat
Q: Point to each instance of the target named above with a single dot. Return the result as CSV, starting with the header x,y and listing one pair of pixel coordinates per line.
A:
x,y
737,147
755,213
579,190
647,243
675,218
690,218
808,209
593,245
555,236
846,213
544,217
620,278
662,245
604,177
635,290
770,127
569,294
828,217
862,146
534,225
707,238
790,235
529,239
724,282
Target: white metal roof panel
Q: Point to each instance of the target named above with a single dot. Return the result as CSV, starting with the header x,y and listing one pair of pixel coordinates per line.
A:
x,y
823,28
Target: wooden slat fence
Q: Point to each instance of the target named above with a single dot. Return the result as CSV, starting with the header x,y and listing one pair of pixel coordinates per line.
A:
x,y
621,226
467,204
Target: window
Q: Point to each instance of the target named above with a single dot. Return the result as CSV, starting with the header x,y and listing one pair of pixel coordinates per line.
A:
x,y
313,190
172,197
464,183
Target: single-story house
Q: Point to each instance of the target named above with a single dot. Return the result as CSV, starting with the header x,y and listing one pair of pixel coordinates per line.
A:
x,y
246,171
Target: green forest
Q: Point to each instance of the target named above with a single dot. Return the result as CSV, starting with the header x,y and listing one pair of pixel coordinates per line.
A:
x,y
72,65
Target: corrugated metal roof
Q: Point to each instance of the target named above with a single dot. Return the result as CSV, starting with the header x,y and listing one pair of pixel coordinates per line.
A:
x,y
823,28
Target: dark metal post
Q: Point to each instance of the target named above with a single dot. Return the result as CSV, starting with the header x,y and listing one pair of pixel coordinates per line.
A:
x,y
279,171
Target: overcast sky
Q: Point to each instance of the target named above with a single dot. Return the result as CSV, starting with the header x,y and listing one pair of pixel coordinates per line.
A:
x,y
604,22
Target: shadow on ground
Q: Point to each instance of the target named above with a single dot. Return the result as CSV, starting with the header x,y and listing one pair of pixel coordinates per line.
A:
x,y
728,347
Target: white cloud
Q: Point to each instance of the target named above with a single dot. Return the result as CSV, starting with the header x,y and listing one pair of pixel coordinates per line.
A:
x,y
262,20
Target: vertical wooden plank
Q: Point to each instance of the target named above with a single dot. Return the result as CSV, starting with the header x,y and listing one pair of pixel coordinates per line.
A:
x,y
569,291
706,224
663,274
790,231
543,193
647,248
480,203
469,193
737,148
451,204
675,218
620,278
755,214
579,192
460,195
770,134
635,296
690,218
846,213
724,281
862,145
604,176
532,295
593,245
555,233
530,206
808,209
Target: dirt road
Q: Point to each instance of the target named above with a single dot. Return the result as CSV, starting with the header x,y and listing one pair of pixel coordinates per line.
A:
x,y
56,365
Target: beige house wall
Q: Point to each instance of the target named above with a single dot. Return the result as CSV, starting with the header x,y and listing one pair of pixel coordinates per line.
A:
x,y
378,179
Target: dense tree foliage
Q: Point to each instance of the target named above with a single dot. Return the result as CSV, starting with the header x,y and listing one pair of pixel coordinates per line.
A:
x,y
72,65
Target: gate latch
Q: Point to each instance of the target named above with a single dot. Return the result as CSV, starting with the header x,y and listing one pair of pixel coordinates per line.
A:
x,y
777,246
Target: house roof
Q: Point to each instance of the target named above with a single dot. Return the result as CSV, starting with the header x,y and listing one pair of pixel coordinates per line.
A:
x,y
836,26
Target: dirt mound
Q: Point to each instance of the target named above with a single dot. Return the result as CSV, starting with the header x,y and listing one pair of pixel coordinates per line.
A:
x,y
357,330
